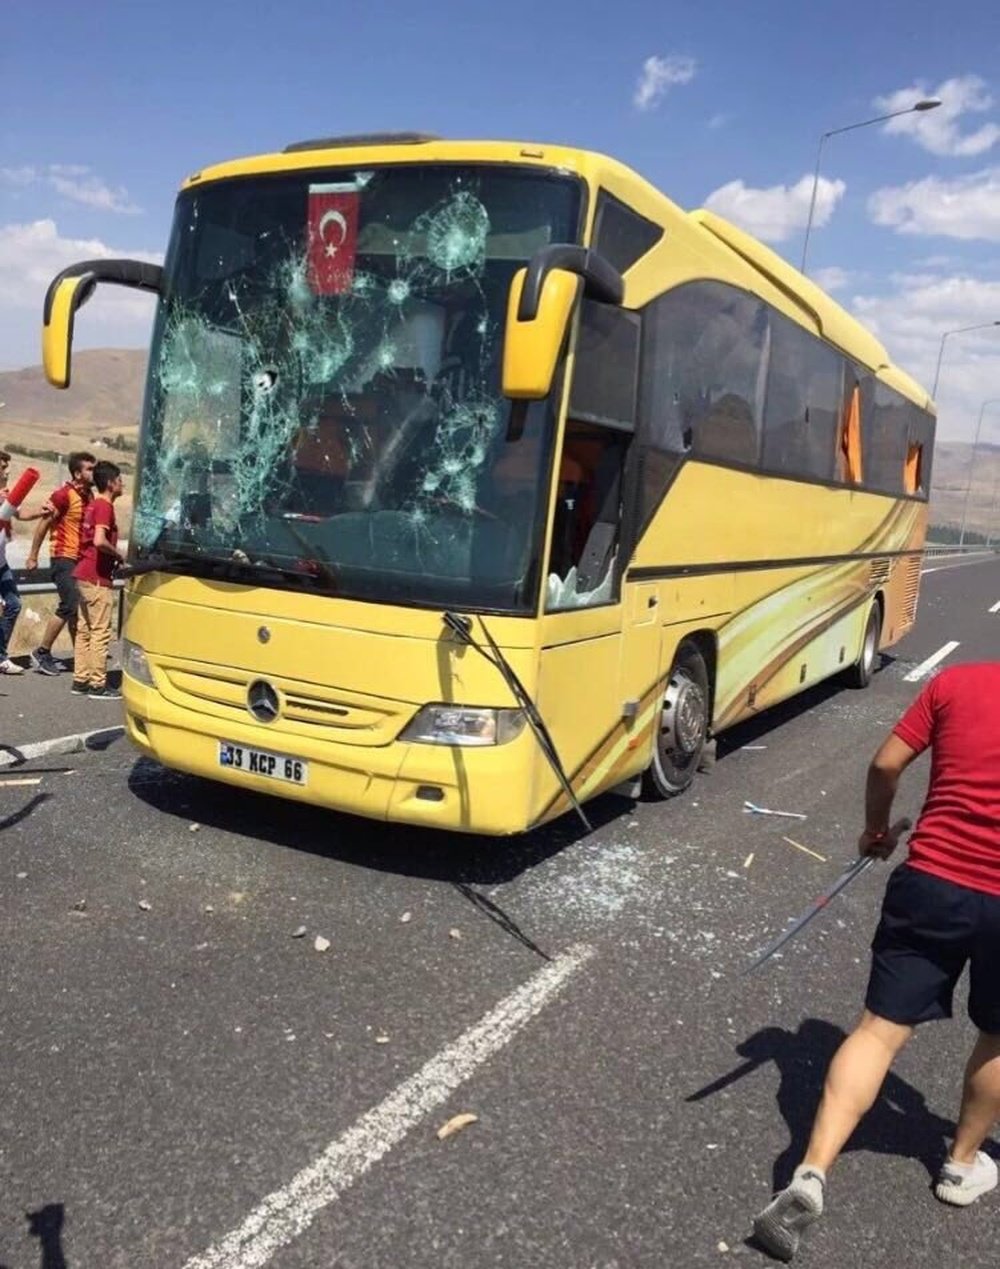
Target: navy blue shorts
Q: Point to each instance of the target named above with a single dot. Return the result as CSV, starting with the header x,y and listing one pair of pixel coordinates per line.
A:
x,y
929,931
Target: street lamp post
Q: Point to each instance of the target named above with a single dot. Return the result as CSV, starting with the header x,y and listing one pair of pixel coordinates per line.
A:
x,y
972,466
928,103
961,330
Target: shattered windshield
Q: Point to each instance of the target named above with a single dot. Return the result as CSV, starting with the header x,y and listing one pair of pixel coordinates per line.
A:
x,y
324,402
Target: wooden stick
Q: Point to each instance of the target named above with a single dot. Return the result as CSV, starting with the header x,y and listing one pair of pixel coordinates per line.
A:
x,y
799,846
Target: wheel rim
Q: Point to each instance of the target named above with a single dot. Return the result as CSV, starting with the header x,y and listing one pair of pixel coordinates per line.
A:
x,y
683,719
871,636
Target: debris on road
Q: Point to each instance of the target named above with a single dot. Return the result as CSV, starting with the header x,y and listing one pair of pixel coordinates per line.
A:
x,y
209,908
752,809
21,876
320,943
22,780
193,828
455,1124
454,933
753,747
798,846
381,1039
749,860
145,905
300,933
80,905
723,1246
406,918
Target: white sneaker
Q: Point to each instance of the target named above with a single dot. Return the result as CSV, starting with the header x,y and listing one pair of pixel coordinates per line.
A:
x,y
963,1183
781,1224
7,666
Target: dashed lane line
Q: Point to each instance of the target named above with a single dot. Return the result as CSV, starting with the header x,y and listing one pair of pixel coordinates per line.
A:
x,y
287,1213
924,668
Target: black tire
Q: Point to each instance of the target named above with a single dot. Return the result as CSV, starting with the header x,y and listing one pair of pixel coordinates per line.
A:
x,y
682,728
859,675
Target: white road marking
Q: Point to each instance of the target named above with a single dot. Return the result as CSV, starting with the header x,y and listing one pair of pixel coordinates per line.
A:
x,y
996,607
288,1212
924,668
963,562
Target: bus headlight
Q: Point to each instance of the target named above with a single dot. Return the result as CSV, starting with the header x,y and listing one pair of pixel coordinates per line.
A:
x,y
464,725
135,663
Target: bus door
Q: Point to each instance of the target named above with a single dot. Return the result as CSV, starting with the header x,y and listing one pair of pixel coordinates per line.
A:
x,y
587,665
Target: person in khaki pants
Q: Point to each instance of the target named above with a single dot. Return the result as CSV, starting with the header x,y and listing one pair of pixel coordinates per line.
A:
x,y
99,556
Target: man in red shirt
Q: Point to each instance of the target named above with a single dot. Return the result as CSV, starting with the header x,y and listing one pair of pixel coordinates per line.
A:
x,y
941,912
63,520
94,573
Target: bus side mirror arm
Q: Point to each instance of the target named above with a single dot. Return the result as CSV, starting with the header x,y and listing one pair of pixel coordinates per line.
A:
x,y
540,304
601,280
72,288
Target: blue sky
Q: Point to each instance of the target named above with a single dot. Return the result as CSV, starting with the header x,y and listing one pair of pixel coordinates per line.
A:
x,y
104,108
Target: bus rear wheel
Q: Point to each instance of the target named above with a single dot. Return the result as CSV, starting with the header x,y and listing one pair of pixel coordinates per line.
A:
x,y
682,729
860,673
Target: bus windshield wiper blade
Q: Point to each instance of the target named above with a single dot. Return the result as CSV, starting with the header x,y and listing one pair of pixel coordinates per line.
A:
x,y
461,626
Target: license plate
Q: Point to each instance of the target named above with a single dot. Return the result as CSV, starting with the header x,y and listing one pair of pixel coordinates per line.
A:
x,y
275,766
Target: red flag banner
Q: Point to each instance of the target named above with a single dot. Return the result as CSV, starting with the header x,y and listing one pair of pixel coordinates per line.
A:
x,y
333,238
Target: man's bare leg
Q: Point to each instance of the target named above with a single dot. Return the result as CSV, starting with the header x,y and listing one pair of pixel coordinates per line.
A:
x,y
980,1099
856,1074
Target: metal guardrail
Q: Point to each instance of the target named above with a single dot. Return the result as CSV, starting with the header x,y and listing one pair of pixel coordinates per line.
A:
x,y
952,548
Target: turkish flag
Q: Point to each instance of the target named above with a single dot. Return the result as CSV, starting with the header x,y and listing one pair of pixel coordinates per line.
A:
x,y
332,238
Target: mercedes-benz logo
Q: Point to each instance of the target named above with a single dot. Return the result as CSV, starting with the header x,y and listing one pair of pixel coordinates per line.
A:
x,y
262,701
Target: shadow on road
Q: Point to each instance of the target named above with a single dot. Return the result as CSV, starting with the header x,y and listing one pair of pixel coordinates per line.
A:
x,y
899,1123
461,859
8,821
755,729
46,1225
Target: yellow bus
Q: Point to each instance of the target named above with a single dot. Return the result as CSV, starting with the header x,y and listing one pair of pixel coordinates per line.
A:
x,y
478,478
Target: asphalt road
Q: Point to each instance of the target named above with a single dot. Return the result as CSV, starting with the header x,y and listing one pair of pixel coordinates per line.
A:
x,y
188,1084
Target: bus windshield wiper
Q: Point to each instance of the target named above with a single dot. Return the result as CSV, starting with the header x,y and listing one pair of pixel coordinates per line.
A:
x,y
461,626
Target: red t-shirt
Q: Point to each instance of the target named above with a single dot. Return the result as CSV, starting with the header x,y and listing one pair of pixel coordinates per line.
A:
x,y
97,566
958,833
70,502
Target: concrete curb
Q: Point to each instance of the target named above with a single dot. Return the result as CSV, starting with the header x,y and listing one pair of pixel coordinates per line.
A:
x,y
16,755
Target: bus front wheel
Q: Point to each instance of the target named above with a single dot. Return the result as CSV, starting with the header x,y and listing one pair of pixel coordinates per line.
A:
x,y
682,728
860,673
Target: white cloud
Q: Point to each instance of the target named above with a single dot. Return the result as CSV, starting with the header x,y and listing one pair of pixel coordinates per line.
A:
x,y
938,130
659,74
775,213
912,317
718,121
72,181
833,278
968,207
30,256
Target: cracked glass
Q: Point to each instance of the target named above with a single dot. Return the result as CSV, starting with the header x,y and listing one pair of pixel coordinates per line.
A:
x,y
324,406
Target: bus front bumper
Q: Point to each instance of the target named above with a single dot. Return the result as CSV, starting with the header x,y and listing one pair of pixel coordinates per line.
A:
x,y
486,790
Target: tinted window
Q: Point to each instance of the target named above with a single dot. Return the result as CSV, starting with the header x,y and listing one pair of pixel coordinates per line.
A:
x,y
702,380
606,366
621,235
884,431
801,419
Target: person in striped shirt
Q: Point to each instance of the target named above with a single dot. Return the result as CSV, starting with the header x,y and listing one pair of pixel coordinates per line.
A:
x,y
63,522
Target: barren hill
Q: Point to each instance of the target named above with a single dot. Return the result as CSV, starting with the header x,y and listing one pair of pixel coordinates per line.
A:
x,y
105,393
